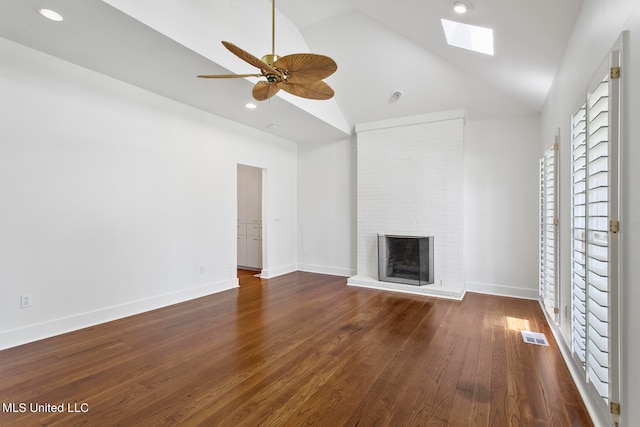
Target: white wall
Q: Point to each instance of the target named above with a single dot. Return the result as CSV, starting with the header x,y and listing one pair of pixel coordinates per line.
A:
x,y
113,197
501,207
327,206
598,27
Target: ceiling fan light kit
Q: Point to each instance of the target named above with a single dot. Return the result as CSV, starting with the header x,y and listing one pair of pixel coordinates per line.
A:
x,y
299,74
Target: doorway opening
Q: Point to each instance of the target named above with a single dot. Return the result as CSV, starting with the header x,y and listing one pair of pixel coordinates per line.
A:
x,y
250,252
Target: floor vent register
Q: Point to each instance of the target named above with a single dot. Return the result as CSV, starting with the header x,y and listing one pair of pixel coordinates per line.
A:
x,y
537,338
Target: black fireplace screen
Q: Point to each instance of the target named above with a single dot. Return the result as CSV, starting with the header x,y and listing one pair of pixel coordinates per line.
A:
x,y
405,259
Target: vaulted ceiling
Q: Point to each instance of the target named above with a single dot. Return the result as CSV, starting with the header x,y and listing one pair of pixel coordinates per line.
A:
x,y
381,47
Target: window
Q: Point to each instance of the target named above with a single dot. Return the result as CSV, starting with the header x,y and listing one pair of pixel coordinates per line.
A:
x,y
594,228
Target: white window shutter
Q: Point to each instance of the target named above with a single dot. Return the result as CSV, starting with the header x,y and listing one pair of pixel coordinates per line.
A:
x,y
590,260
549,230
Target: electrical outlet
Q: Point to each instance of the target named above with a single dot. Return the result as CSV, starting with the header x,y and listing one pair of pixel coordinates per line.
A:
x,y
202,269
25,301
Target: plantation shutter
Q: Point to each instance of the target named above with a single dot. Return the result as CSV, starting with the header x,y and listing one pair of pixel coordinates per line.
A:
x,y
597,262
593,249
578,232
548,230
590,232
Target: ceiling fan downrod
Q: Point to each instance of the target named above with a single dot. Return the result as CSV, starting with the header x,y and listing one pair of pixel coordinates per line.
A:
x,y
272,57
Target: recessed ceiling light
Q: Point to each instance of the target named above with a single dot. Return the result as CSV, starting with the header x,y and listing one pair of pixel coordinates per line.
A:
x,y
50,14
471,37
251,106
272,126
461,7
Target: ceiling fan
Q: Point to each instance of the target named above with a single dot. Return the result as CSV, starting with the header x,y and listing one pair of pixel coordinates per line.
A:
x,y
299,74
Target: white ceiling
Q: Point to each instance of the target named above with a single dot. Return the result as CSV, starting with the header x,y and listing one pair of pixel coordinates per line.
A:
x,y
380,47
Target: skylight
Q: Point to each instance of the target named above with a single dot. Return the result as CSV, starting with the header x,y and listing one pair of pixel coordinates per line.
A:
x,y
471,37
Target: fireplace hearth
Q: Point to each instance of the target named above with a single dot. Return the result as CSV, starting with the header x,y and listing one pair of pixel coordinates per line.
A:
x,y
405,259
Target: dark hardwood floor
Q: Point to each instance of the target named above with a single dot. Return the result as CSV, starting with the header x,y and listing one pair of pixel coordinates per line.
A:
x,y
301,349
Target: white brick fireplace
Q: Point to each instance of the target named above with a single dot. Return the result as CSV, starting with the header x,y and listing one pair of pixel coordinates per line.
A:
x,y
410,175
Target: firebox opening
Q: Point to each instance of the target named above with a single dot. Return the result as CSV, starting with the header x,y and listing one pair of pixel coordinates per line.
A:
x,y
406,259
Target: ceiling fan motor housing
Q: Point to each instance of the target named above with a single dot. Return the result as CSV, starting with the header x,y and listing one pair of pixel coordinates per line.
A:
x,y
270,59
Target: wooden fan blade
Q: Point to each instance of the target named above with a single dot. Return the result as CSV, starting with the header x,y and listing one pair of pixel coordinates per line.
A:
x,y
247,57
264,90
228,76
306,67
312,90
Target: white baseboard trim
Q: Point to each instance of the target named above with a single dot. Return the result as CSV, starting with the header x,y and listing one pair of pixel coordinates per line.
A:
x,y
592,402
321,269
277,271
36,332
502,290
